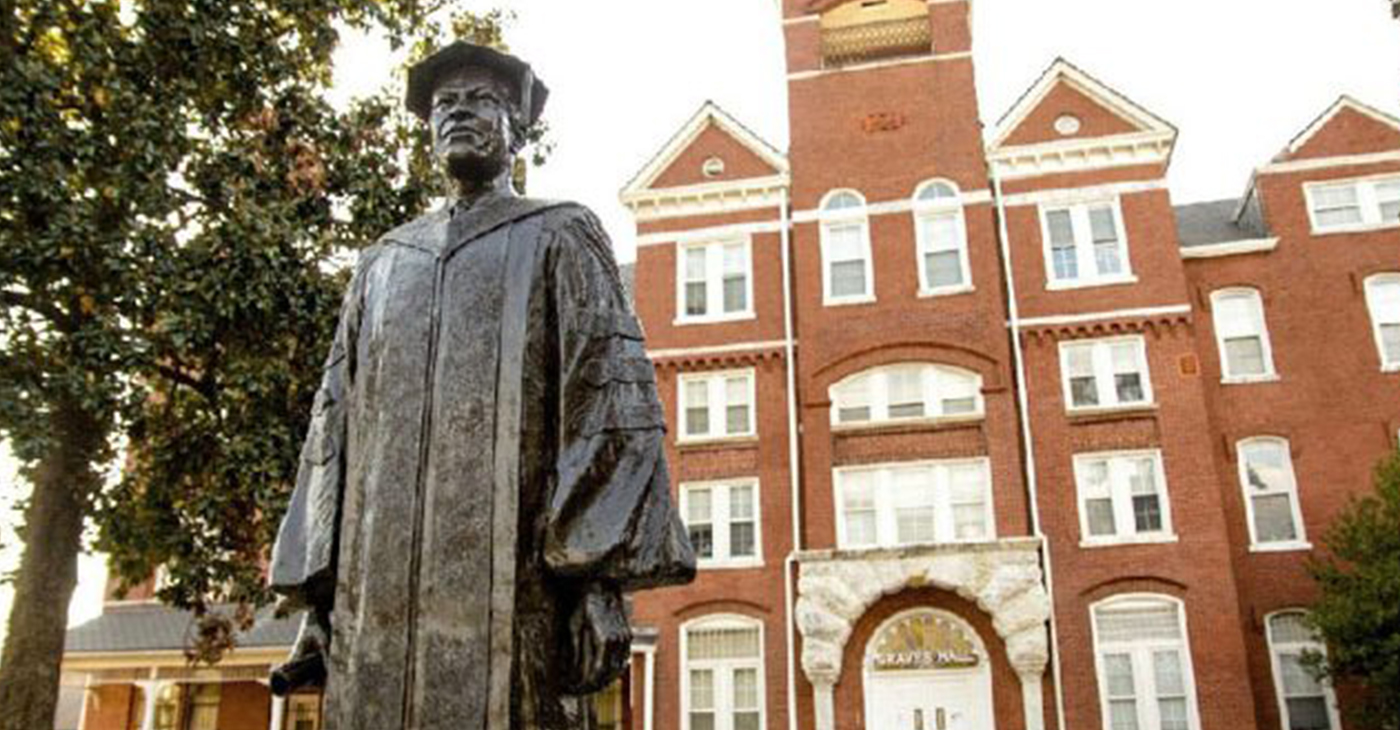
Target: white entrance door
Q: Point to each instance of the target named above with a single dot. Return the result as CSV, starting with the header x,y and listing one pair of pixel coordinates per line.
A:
x,y
931,700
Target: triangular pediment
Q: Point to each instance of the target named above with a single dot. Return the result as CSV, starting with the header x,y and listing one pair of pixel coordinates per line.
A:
x,y
688,158
1348,127
1066,105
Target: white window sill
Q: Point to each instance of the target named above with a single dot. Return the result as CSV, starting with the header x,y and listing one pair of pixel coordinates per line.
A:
x,y
736,317
1280,547
897,422
1103,542
1250,379
1393,367
1109,410
717,440
848,301
904,545
1355,228
1067,284
946,292
738,564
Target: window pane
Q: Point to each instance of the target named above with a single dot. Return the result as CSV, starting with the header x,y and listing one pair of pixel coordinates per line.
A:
x,y
1390,342
1273,518
698,505
736,398
1137,623
695,302
745,689
736,419
943,268
741,526
1290,628
702,721
1064,260
938,191
1147,513
695,259
1083,388
1107,254
1267,466
697,421
858,506
1244,356
1128,387
724,643
741,540
741,503
1099,514
969,521
848,278
736,293
958,392
1335,195
853,400
1083,391
906,393
1166,668
941,232
1308,713
845,242
913,505
1390,212
1173,713
1297,680
843,201
1238,315
1123,714
702,538
746,721
1118,675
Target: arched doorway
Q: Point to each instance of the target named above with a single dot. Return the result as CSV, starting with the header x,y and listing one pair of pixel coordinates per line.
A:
x,y
927,669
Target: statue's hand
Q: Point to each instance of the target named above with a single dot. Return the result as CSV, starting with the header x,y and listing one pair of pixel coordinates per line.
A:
x,y
306,667
600,639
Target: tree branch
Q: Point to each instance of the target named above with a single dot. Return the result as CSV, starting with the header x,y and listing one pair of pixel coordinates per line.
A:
x,y
53,314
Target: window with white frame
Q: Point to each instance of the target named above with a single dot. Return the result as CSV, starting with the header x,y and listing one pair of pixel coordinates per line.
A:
x,y
1085,245
1305,703
1354,204
1270,494
1383,299
722,674
717,405
941,234
716,281
913,503
722,519
1122,497
847,274
1242,335
907,391
1145,680
1108,373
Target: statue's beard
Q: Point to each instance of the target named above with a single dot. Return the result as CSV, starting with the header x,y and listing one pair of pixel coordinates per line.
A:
x,y
478,166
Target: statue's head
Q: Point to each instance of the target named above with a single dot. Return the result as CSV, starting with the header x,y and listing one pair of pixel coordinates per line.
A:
x,y
479,103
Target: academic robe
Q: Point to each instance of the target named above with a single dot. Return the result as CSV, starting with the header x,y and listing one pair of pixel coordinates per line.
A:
x,y
486,442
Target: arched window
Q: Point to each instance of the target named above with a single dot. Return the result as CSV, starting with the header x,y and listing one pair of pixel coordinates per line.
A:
x,y
1383,299
722,674
847,273
1270,494
941,235
1242,335
907,391
1144,664
1304,702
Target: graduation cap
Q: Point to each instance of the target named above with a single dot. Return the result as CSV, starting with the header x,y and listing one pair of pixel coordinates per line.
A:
x,y
423,77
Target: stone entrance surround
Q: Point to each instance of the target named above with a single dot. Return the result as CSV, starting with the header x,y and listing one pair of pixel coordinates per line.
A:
x,y
1002,577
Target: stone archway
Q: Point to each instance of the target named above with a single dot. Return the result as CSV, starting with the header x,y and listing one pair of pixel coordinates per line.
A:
x,y
1003,578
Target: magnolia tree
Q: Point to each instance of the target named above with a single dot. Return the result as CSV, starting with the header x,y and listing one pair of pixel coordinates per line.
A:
x,y
177,198
1358,614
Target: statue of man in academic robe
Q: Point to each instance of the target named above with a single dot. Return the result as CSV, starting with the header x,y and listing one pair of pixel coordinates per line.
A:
x,y
484,475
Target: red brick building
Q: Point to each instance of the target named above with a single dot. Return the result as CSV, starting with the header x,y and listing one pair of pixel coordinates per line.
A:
x,y
981,430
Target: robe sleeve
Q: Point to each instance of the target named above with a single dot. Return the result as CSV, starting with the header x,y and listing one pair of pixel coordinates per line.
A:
x,y
303,558
611,516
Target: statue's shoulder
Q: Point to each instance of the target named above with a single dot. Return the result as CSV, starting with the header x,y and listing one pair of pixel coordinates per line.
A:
x,y
417,231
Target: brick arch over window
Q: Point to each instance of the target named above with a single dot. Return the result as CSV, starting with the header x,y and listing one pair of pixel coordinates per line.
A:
x,y
937,353
1106,589
701,609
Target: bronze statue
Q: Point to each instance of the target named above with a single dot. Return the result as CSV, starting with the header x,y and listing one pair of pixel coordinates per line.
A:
x,y
484,475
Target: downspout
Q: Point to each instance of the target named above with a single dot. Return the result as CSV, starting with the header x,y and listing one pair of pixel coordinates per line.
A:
x,y
794,466
1023,403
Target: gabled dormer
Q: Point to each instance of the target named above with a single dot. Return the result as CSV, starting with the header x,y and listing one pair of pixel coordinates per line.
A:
x,y
713,164
1347,128
1069,121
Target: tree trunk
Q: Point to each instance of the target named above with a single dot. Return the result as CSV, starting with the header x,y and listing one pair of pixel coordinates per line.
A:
x,y
64,482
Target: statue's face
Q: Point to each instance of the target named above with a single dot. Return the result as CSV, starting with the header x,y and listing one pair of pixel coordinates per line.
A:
x,y
470,120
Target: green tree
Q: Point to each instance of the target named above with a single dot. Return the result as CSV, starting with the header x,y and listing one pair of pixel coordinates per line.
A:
x,y
177,202
1358,614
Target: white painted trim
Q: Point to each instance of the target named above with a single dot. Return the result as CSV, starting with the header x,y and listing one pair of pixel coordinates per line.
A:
x,y
1101,362
1300,539
1270,373
1371,284
1188,668
1230,248
1127,150
716,350
1107,97
696,235
1121,500
1081,229
801,19
885,522
1139,312
931,209
934,58
1342,102
897,207
1073,196
980,675
1328,694
849,216
1321,163
726,620
709,113
725,486
717,403
714,282
1368,204
649,695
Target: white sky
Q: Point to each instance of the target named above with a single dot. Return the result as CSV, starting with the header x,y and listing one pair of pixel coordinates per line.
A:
x,y
1238,78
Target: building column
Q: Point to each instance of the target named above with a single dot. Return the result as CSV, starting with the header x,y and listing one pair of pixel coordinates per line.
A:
x,y
279,711
824,701
1033,699
150,689
649,688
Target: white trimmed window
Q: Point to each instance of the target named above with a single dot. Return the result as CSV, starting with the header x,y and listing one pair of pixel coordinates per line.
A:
x,y
722,674
1354,204
914,503
1270,494
847,273
941,233
1085,245
716,281
904,392
722,519
1383,299
1304,702
717,405
1109,373
1122,497
1242,336
1145,679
